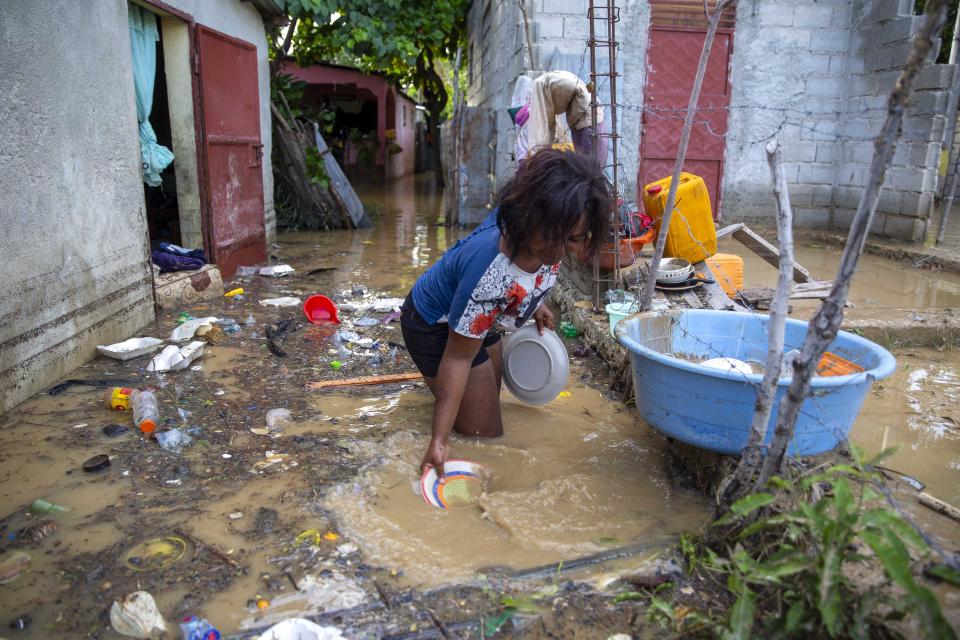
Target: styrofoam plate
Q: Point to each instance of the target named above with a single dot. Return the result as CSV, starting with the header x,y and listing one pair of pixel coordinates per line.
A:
x,y
535,367
462,484
129,349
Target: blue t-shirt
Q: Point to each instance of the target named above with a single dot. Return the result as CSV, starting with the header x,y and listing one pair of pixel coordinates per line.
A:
x,y
474,286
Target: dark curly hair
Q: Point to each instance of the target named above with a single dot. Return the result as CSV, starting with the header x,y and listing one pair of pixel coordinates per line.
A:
x,y
549,193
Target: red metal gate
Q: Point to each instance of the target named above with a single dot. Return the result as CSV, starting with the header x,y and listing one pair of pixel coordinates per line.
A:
x,y
677,29
230,116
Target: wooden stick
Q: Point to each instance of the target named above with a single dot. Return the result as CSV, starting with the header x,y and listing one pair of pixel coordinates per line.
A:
x,y
648,288
825,325
752,455
365,380
940,506
203,546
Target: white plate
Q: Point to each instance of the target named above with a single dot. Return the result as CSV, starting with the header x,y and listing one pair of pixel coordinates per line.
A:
x,y
129,349
462,484
535,367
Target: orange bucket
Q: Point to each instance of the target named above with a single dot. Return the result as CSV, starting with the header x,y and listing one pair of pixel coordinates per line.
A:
x,y
629,250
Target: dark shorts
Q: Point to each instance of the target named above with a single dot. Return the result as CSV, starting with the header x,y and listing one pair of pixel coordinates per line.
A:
x,y
425,342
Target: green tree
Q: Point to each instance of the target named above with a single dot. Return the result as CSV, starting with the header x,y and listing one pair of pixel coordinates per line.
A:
x,y
403,39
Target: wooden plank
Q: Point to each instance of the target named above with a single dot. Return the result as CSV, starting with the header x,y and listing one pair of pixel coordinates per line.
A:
x,y
365,380
940,506
728,230
340,187
756,243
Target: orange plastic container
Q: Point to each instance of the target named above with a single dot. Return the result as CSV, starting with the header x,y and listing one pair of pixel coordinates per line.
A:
x,y
692,234
833,365
630,249
727,269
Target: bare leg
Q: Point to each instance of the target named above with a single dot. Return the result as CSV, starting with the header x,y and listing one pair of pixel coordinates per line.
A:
x,y
479,414
496,357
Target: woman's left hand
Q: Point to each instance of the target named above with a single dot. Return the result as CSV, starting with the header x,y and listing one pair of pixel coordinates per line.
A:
x,y
544,319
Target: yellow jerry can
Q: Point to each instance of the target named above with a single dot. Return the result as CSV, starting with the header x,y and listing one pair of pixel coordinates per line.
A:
x,y
692,234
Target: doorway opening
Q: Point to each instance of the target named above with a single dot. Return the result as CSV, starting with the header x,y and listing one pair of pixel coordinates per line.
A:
x,y
162,205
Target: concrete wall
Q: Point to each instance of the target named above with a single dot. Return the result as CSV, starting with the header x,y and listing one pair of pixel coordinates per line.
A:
x,y
241,20
788,74
882,39
75,264
495,57
817,76
404,163
813,73
559,29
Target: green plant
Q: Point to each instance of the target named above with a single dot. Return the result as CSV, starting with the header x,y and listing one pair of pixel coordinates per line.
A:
x,y
316,169
804,555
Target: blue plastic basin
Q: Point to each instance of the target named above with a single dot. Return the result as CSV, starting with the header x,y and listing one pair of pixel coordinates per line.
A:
x,y
711,408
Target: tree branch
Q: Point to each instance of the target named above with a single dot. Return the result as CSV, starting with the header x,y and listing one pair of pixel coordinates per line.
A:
x,y
651,281
752,455
825,325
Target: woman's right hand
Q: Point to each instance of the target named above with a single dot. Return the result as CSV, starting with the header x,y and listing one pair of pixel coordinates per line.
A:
x,y
435,457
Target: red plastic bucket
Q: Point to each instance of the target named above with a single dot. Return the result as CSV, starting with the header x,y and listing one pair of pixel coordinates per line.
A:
x,y
319,309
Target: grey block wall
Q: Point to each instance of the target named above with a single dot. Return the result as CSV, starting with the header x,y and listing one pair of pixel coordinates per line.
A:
x,y
788,75
559,31
75,269
813,73
882,32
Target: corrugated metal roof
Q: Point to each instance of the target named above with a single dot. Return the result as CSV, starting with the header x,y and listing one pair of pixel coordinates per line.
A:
x,y
269,8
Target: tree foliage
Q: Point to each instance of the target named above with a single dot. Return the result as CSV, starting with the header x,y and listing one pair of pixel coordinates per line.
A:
x,y
406,40
403,39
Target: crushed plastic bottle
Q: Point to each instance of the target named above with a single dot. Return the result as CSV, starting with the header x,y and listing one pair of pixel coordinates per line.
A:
x,y
41,506
146,411
173,440
568,329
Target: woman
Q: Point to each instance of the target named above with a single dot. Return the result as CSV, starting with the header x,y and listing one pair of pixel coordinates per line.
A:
x,y
498,276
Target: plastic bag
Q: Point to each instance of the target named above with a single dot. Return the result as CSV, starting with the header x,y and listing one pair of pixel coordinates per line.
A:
x,y
137,616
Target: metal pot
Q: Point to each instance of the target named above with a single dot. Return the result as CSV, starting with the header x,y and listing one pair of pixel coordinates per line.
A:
x,y
674,270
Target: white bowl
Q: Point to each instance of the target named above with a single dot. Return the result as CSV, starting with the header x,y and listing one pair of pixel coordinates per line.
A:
x,y
462,482
535,367
674,270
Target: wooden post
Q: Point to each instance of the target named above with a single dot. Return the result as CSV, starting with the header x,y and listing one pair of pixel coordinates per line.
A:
x,y
651,281
825,324
752,455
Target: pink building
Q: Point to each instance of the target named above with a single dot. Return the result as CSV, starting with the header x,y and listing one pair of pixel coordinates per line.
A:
x,y
375,123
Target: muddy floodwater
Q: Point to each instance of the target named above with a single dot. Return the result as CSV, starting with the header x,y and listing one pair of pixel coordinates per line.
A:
x,y
252,523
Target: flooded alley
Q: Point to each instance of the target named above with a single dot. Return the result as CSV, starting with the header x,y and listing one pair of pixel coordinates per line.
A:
x,y
230,524
252,523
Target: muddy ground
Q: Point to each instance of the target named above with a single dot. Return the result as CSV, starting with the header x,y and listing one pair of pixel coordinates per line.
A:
x,y
251,524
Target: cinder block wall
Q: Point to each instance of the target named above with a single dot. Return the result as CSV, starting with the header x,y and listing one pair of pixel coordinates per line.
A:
x,y
788,76
881,41
813,73
817,75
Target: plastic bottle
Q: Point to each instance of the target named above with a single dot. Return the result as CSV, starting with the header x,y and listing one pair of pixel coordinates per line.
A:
x,y
117,398
146,412
41,506
568,329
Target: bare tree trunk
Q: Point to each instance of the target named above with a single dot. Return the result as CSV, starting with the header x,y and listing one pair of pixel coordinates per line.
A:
x,y
526,31
825,324
647,298
752,455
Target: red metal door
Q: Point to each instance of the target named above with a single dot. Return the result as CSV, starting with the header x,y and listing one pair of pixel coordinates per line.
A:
x,y
230,117
677,30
